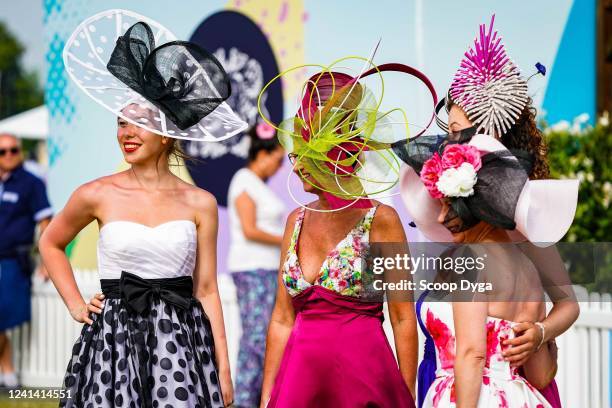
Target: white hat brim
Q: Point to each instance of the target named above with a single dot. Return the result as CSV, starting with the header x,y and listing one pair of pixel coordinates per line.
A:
x,y
546,209
86,54
422,208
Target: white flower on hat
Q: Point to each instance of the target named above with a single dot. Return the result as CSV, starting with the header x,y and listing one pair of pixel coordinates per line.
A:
x,y
458,182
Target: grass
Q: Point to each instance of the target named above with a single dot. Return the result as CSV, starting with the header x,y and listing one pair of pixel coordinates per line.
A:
x,y
7,402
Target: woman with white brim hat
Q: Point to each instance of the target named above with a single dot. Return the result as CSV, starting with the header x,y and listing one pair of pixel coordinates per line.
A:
x,y
156,336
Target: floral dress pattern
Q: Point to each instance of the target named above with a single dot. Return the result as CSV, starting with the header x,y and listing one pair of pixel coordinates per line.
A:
x,y
502,386
343,268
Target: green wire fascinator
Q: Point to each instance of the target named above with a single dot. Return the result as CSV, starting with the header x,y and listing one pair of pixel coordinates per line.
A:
x,y
341,138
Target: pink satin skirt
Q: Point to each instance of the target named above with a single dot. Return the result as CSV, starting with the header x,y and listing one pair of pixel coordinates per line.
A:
x,y
338,356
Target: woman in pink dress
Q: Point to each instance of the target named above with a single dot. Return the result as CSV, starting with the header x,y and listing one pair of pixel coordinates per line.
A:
x,y
326,345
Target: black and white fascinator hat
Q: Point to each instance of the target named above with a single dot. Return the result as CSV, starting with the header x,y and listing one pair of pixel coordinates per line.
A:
x,y
137,69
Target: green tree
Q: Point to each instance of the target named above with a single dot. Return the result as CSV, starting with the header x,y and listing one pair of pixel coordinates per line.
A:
x,y
19,90
580,151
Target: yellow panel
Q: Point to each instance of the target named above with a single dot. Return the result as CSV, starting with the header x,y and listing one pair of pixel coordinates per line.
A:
x,y
84,252
282,21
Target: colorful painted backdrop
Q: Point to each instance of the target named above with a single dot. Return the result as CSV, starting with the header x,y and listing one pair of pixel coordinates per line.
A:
x,y
255,39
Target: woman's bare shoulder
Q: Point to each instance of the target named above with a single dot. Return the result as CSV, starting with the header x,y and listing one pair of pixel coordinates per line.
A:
x,y
197,198
96,189
293,216
386,215
387,225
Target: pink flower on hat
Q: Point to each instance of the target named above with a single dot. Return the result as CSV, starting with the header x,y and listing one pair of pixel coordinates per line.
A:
x,y
456,154
430,174
265,131
453,174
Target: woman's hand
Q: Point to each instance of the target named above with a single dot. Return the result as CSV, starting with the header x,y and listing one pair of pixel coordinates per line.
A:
x,y
227,389
42,272
95,305
527,342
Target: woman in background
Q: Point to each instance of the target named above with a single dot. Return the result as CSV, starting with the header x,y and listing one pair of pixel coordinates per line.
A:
x,y
470,334
256,217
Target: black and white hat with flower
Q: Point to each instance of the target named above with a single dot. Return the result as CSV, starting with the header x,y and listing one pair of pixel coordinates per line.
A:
x,y
137,69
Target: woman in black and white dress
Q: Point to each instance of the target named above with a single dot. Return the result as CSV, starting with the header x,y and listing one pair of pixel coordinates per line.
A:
x,y
158,340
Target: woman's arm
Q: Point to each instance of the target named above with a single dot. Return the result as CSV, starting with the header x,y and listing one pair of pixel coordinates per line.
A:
x,y
281,322
206,288
247,213
541,367
529,336
471,345
41,270
387,227
565,310
76,215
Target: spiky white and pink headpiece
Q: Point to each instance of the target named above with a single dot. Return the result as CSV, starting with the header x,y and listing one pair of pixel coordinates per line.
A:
x,y
488,86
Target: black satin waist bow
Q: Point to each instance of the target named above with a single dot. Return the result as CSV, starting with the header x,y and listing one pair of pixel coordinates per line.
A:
x,y
138,293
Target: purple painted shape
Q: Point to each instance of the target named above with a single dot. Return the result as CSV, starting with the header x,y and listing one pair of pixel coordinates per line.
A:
x,y
284,11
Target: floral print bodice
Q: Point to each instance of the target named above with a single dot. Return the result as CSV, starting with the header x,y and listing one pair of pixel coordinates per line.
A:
x,y
502,386
442,330
343,268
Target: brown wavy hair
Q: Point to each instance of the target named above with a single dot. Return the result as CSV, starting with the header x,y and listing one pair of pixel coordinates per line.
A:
x,y
175,151
525,135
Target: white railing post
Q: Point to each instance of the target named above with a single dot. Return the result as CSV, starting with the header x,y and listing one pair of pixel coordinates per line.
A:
x,y
594,365
231,316
606,308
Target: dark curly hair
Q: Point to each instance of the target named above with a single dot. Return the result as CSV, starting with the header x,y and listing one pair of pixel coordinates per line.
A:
x,y
525,135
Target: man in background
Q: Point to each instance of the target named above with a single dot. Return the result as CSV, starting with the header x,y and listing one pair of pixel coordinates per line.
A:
x,y
23,206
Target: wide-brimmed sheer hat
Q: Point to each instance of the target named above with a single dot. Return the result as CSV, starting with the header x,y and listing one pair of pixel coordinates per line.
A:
x,y
137,69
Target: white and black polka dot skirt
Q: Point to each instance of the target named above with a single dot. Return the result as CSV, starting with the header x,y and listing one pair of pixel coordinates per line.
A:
x,y
163,358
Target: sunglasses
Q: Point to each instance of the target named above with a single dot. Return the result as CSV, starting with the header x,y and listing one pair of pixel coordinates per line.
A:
x,y
12,150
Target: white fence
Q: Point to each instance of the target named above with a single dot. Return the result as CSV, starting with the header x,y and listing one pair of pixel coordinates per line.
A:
x,y
43,347
584,356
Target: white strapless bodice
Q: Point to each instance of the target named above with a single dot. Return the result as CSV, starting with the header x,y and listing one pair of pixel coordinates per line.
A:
x,y
165,251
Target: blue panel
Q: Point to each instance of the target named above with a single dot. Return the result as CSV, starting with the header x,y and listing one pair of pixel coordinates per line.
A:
x,y
572,86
